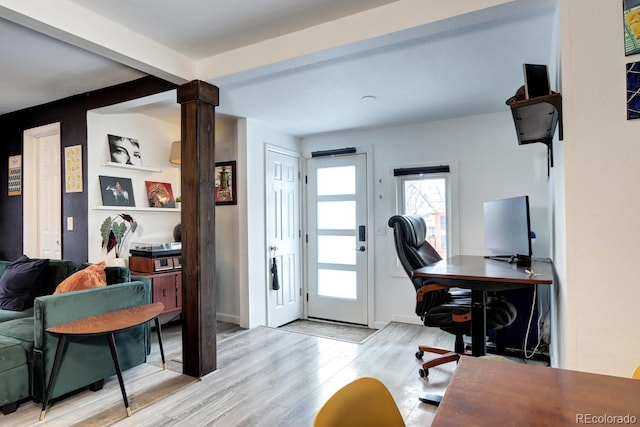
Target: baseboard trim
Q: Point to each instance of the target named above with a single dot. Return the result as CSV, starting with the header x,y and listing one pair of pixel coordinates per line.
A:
x,y
229,318
413,320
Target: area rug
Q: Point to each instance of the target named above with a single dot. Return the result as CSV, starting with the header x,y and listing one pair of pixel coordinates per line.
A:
x,y
334,331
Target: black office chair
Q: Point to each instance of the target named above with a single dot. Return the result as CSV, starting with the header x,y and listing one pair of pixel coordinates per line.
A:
x,y
438,305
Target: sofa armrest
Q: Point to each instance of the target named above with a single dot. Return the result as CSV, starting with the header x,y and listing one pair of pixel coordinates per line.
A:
x,y
87,359
3,266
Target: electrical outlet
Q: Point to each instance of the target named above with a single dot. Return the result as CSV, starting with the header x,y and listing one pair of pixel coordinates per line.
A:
x,y
69,223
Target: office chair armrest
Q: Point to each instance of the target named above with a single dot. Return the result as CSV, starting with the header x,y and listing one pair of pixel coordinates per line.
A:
x,y
429,288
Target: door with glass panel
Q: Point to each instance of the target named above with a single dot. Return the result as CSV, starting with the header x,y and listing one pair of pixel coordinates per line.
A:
x,y
337,239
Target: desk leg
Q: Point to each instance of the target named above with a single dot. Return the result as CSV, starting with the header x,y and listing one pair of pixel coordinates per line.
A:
x,y
164,365
478,323
116,363
62,341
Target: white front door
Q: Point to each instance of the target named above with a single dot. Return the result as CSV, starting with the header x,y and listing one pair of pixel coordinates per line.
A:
x,y
283,237
42,192
337,241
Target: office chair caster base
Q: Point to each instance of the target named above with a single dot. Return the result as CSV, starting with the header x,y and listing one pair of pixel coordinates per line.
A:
x,y
419,354
423,372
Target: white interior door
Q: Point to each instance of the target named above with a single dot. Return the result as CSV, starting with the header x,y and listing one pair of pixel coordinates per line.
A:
x,y
283,238
337,239
49,195
42,192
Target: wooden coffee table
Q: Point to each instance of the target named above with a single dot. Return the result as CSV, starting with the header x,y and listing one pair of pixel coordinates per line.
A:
x,y
103,324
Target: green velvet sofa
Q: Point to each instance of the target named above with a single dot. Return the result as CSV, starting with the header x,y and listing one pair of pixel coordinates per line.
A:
x,y
27,350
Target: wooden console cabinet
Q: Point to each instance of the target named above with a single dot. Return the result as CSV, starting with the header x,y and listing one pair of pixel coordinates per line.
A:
x,y
167,289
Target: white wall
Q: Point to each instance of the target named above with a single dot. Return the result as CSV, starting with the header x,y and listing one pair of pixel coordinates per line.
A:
x,y
599,298
490,165
227,231
155,137
556,208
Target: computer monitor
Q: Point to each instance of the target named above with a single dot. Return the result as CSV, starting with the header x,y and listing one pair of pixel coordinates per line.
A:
x,y
507,229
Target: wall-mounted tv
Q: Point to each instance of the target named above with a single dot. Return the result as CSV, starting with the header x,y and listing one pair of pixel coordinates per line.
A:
x,y
507,228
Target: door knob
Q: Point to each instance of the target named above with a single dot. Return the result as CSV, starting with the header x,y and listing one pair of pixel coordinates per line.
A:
x,y
361,249
273,248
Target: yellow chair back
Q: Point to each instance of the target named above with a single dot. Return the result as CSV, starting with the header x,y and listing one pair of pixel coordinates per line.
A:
x,y
636,373
365,402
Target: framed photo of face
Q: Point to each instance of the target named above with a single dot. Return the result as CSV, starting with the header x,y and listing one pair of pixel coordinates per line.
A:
x,y
226,183
125,150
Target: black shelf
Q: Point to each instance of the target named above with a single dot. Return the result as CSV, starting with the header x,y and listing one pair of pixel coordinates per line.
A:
x,y
536,120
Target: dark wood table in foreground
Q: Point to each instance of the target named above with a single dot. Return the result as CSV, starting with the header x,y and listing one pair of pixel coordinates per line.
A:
x,y
494,393
480,274
103,324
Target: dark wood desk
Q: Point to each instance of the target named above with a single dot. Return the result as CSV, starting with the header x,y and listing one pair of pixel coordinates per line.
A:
x,y
481,274
103,324
493,393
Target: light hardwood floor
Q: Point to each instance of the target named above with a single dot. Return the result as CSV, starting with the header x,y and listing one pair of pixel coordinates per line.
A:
x,y
265,377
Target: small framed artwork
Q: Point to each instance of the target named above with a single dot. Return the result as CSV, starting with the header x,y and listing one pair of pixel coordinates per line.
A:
x,y
633,90
116,191
73,169
15,175
160,194
631,26
125,150
226,183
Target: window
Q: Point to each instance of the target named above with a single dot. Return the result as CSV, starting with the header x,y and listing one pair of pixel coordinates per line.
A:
x,y
425,192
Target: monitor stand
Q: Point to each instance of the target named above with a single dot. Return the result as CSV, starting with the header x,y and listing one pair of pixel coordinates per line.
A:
x,y
519,260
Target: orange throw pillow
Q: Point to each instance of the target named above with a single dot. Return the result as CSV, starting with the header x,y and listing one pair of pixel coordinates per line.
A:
x,y
88,278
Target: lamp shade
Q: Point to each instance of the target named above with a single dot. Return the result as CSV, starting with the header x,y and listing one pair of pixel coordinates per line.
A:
x,y
175,155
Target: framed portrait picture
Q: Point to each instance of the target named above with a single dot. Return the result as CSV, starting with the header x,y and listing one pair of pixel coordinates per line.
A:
x,y
116,191
226,183
160,194
124,150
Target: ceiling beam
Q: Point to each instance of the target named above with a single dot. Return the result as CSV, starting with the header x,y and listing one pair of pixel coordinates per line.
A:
x,y
80,27
391,23
357,32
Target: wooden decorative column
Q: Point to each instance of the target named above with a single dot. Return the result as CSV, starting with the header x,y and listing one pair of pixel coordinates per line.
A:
x,y
198,100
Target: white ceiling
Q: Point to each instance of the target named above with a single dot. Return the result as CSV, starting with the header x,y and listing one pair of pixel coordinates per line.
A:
x,y
428,68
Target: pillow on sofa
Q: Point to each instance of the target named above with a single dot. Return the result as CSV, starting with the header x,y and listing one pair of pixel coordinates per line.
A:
x,y
91,277
20,282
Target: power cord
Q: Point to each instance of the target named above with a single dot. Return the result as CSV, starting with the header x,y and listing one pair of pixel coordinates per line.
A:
x,y
538,323
526,335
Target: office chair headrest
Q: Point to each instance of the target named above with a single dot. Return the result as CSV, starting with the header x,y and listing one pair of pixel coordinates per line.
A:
x,y
414,229
410,238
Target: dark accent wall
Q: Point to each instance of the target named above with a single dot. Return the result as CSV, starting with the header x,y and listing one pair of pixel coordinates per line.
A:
x,y
72,114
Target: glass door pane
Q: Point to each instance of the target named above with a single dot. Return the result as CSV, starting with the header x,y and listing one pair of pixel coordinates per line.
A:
x,y
336,207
